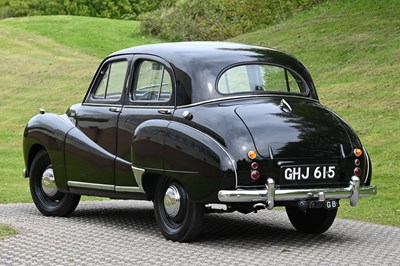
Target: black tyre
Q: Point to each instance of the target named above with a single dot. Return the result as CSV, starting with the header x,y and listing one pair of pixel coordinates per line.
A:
x,y
313,221
178,217
46,196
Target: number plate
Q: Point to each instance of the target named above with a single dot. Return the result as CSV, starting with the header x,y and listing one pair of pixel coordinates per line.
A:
x,y
331,204
327,204
293,173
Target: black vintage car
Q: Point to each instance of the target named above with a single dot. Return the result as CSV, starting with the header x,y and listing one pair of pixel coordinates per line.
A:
x,y
199,127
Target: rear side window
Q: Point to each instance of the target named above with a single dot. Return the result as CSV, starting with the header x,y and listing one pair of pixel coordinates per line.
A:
x,y
260,78
154,82
112,81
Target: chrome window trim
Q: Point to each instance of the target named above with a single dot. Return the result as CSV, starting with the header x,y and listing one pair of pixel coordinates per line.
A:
x,y
130,106
149,106
244,97
102,104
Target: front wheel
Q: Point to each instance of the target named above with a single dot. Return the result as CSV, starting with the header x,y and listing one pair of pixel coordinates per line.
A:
x,y
311,221
45,194
178,217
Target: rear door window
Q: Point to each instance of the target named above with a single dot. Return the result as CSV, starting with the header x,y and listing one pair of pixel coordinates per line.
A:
x,y
154,83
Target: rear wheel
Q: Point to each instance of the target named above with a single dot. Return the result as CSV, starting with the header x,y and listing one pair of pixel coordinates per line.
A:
x,y
45,194
312,221
177,216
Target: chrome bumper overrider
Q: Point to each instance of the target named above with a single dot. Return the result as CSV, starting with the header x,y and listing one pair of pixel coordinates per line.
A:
x,y
270,194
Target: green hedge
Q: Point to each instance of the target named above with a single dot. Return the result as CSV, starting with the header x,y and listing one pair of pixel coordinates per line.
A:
x,y
119,9
217,19
173,20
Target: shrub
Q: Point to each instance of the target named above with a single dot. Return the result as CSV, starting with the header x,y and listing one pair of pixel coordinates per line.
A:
x,y
217,19
127,9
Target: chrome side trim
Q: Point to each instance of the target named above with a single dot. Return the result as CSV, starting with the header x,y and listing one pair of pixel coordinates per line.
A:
x,y
128,189
244,97
181,172
226,152
138,174
77,184
353,192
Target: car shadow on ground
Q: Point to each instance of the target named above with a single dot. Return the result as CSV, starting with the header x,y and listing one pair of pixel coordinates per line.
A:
x,y
262,229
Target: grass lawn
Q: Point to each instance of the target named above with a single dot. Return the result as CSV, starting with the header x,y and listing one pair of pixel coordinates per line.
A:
x,y
352,49
95,36
6,230
36,73
48,62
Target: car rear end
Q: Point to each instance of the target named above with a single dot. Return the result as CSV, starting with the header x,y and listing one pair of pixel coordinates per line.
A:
x,y
303,154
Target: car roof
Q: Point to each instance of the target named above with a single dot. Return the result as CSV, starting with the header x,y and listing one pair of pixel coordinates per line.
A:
x,y
198,64
204,51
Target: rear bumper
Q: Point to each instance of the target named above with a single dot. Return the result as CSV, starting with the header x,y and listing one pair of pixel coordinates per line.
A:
x,y
270,194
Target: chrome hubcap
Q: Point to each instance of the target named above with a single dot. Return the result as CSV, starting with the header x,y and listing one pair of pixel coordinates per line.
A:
x,y
172,201
48,183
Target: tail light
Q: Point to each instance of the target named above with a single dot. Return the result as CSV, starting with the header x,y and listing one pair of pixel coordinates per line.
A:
x,y
357,162
252,154
255,175
357,171
358,152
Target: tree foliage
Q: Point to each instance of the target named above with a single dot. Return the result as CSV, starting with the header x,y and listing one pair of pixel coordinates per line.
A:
x,y
217,19
118,9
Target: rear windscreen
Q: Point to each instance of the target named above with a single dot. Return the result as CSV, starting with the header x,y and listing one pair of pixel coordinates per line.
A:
x,y
260,78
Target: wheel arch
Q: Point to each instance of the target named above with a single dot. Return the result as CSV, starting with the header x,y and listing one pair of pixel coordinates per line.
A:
x,y
149,183
193,158
33,151
47,132
198,161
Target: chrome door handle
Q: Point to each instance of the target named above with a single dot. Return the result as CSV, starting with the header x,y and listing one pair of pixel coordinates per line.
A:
x,y
115,109
164,111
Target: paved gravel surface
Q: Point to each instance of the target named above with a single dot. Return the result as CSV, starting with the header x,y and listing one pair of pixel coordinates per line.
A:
x,y
125,233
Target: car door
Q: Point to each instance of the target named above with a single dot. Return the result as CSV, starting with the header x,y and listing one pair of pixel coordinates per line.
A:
x,y
150,100
91,164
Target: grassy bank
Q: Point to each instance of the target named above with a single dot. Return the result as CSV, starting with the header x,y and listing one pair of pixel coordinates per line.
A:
x,y
352,49
95,36
47,62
